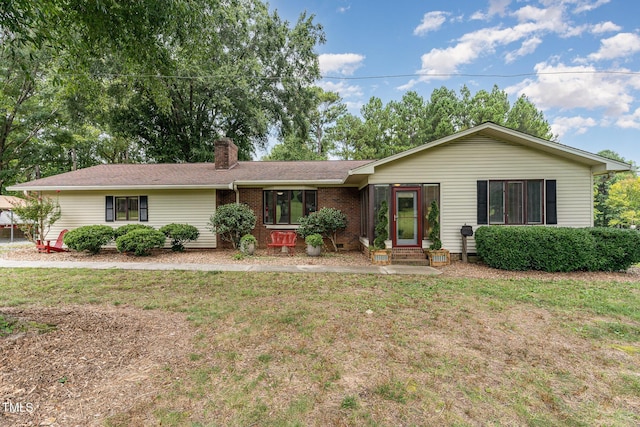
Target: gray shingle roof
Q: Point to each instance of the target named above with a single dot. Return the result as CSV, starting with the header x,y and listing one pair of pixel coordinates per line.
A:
x,y
197,175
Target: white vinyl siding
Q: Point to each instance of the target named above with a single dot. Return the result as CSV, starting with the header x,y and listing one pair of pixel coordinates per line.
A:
x,y
458,165
193,207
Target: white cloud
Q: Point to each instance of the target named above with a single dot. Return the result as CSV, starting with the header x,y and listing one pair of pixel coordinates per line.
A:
x,y
567,87
345,90
341,63
431,21
630,121
620,45
605,27
578,124
496,7
528,46
344,9
587,5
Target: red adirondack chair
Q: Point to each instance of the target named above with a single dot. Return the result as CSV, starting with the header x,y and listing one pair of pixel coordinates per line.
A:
x,y
56,247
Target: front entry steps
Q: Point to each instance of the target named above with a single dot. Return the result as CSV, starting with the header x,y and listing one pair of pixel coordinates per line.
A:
x,y
408,256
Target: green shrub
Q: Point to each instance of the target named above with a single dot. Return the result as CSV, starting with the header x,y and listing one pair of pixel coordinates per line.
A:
x,y
326,222
246,240
314,240
434,226
179,235
616,249
558,248
124,229
232,221
382,226
140,241
89,238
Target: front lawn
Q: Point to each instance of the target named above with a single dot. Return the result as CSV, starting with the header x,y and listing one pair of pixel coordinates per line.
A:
x,y
279,349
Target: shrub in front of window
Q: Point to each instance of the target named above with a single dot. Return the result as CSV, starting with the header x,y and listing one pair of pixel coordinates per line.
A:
x,y
382,226
179,235
326,222
89,238
140,241
232,221
124,229
551,249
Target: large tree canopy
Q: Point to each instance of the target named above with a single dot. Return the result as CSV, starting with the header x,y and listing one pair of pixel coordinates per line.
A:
x,y
156,80
383,130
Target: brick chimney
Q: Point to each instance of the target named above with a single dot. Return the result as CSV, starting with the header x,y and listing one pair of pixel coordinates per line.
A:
x,y
226,154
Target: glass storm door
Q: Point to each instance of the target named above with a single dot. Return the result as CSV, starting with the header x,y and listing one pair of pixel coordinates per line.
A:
x,y
406,216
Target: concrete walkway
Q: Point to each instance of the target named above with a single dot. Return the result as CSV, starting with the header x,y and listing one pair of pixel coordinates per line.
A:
x,y
373,269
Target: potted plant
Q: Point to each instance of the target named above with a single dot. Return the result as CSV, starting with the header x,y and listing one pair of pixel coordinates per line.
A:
x,y
248,244
437,255
380,254
314,244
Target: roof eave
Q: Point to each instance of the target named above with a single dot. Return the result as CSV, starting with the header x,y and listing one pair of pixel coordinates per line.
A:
x,y
20,187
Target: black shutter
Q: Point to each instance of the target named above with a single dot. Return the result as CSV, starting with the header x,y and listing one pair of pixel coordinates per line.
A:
x,y
550,202
483,202
144,209
108,209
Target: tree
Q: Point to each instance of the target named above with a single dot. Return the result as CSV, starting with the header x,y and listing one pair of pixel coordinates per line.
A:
x,y
232,221
525,117
311,138
383,130
604,212
38,213
624,198
326,222
243,72
26,109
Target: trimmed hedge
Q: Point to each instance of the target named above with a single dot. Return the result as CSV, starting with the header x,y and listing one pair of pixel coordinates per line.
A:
x,y
179,235
140,241
89,238
556,249
124,229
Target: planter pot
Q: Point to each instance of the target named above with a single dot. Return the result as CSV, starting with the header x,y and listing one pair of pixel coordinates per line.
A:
x,y
314,250
248,249
439,257
381,257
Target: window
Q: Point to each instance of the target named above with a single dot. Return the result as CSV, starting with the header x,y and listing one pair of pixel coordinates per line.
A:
x,y
517,202
126,208
288,206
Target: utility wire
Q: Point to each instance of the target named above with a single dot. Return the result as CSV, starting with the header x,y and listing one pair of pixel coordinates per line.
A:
x,y
385,76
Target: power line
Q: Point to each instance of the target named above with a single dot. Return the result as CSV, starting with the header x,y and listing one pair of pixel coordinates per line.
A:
x,y
374,77
393,76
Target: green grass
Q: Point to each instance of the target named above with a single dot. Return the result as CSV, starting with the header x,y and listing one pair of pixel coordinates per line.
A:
x,y
279,349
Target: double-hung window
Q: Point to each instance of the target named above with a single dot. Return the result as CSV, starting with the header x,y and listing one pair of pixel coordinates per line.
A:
x,y
126,208
288,206
517,202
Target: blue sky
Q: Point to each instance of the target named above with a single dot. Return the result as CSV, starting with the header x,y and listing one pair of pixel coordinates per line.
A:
x,y
577,60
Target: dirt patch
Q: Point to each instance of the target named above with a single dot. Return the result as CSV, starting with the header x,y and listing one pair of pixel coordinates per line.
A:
x,y
97,362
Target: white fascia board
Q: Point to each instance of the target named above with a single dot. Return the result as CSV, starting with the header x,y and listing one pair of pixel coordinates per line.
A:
x,y
120,187
283,183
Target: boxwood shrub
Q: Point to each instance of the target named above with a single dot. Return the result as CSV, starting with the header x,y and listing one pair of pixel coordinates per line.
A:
x,y
179,235
89,238
140,241
557,248
124,229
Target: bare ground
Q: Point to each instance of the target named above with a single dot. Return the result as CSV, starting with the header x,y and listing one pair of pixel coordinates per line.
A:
x,y
98,361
